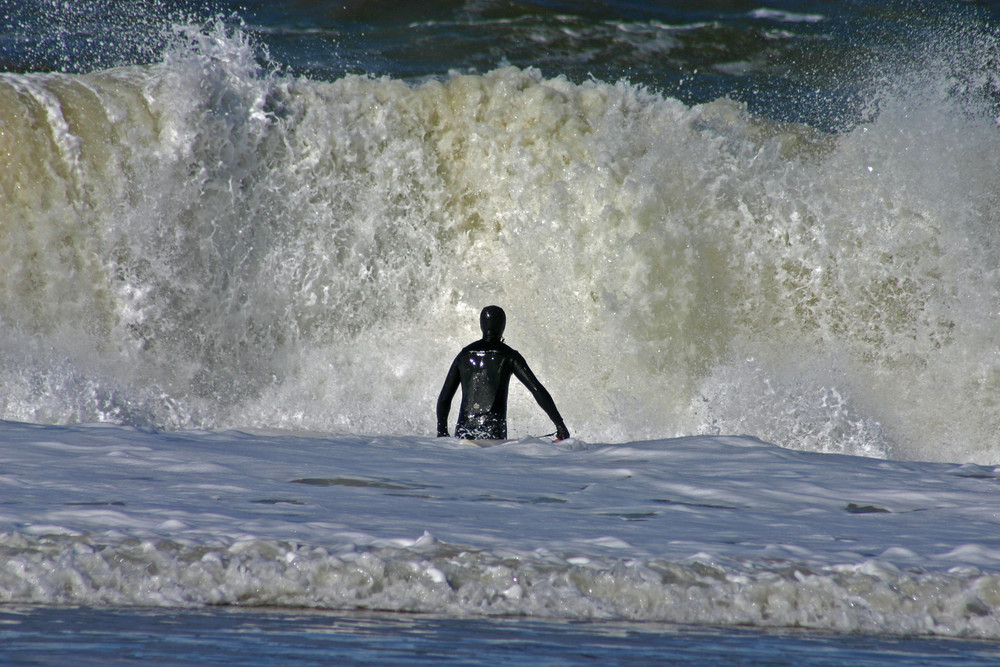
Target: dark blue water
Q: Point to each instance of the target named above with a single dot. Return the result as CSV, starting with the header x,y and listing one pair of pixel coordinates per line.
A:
x,y
811,62
55,636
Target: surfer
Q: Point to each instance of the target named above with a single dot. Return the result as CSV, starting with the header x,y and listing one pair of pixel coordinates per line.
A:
x,y
484,369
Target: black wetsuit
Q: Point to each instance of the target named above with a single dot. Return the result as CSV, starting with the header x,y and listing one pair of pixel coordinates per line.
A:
x,y
483,369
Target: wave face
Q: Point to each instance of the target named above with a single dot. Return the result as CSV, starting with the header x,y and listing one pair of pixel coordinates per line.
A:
x,y
205,242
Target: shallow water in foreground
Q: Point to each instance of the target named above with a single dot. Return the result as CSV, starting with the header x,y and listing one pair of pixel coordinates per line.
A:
x,y
703,531
222,636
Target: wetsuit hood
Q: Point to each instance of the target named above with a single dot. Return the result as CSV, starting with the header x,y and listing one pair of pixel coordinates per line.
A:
x,y
492,321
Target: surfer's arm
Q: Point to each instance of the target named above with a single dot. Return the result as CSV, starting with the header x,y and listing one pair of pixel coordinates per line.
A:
x,y
451,383
542,396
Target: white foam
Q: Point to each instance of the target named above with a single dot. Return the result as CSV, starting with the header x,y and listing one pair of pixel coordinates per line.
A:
x,y
251,250
708,530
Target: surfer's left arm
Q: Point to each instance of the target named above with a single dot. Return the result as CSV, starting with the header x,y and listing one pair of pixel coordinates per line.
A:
x,y
542,396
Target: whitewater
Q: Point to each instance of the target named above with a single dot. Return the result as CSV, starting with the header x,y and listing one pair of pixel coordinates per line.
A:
x,y
700,530
204,243
229,295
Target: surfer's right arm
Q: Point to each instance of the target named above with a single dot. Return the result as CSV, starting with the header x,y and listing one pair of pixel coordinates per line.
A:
x,y
451,382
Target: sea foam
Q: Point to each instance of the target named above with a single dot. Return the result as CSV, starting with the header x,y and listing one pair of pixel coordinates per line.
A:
x,y
704,530
208,242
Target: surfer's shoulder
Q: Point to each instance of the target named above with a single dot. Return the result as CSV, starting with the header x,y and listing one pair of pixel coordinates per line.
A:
x,y
488,345
481,347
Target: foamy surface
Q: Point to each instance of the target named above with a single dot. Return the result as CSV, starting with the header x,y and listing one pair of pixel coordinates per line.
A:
x,y
207,241
704,530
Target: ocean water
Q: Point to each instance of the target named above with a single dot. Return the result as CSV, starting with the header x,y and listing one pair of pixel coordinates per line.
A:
x,y
751,250
211,546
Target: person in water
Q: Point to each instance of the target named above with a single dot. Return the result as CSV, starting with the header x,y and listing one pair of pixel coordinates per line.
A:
x,y
484,369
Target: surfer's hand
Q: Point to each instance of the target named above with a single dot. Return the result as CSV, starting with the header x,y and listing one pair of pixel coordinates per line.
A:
x,y
561,431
